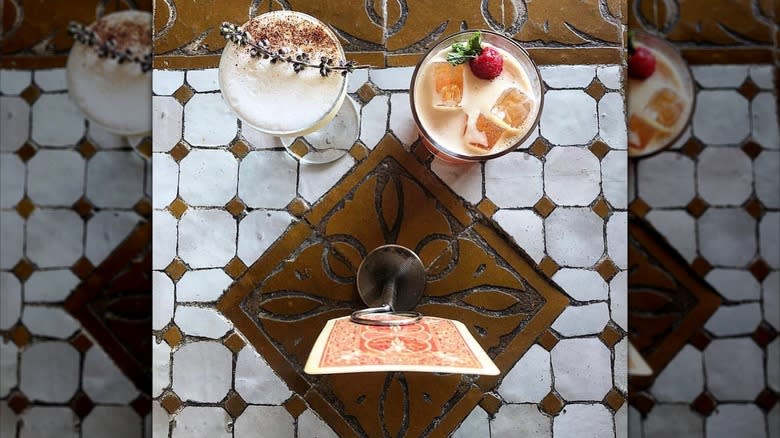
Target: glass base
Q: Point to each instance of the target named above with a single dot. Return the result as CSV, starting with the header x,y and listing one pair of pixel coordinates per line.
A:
x,y
332,141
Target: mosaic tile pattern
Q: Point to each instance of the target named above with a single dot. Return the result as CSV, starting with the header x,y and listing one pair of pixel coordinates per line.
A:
x,y
714,197
396,32
253,252
74,207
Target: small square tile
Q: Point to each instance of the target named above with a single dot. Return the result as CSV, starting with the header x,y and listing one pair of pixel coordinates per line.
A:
x,y
539,148
239,149
183,94
607,269
697,207
595,89
759,269
295,405
755,208
701,266
86,149
692,148
142,405
81,342
601,208
82,268
83,207
748,89
552,403
487,207
614,399
641,401
235,405
358,151
26,152
297,207
18,402
173,336
234,342
367,92
31,94
599,149
25,207
299,148
610,335
766,399
143,207
177,208
548,266
701,339
145,147
170,402
20,335
764,334
235,268
23,270
752,149
544,206
179,151
639,207
704,404
548,340
235,207
81,404
176,269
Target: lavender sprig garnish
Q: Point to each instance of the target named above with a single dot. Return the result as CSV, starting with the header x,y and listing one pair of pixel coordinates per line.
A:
x,y
107,48
300,61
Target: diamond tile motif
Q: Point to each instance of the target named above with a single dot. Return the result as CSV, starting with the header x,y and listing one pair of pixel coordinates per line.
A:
x,y
599,149
82,268
26,152
704,404
548,266
367,92
235,207
490,403
614,399
239,149
297,207
548,340
177,208
176,269
25,207
23,270
764,334
173,336
179,151
552,403
390,198
697,207
170,402
86,149
183,94
539,148
752,149
749,89
235,405
234,342
759,269
295,406
81,404
31,94
639,208
544,206
595,89
607,269
487,207
83,207
235,268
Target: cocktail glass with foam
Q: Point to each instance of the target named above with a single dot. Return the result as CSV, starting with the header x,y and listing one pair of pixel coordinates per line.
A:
x,y
462,118
306,108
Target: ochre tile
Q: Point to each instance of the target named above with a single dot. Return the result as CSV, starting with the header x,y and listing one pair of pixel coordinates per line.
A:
x,y
236,207
145,147
143,207
18,402
235,405
548,266
142,405
754,207
170,402
422,153
81,342
367,91
82,268
23,269
358,151
692,147
176,269
551,403
26,152
177,208
701,339
487,207
426,22
86,149
403,59
701,266
239,149
548,340
20,335
31,94
235,268
25,207
764,334
234,342
641,401
697,207
173,336
183,94
491,403
568,22
81,404
752,149
599,149
611,335
179,151
607,269
601,208
639,208
759,269
193,28
539,148
297,207
544,206
83,207
614,399
766,399
707,22
299,148
596,89
704,404
748,89
361,29
295,405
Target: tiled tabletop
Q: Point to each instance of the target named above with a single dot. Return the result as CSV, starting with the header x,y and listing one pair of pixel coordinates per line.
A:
x,y
230,203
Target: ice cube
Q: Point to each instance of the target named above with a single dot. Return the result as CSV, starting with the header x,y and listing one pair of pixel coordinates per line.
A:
x,y
448,84
665,107
640,132
484,133
513,107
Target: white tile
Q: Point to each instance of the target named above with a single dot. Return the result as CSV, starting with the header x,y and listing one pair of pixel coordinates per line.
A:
x,y
310,425
721,117
9,362
115,179
8,421
105,231
769,233
767,178
581,284
163,239
732,420
631,181
618,295
167,116
394,78
11,309
256,382
737,319
103,381
54,237
620,365
258,230
208,121
610,75
161,367
113,421
476,424
64,167
568,117
582,369
47,321
724,176
104,139
574,236
682,380
526,228
723,239
771,294
773,365
614,183
621,422
207,238
401,121
373,121
12,235
533,424
734,284
571,176
463,179
208,177
201,321
53,79
673,421
14,123
56,121
202,421
530,379
730,379
49,422
666,180
765,124
683,139
259,140
514,180
612,120
634,422
567,76
582,320
773,421
204,80
267,179
166,81
720,76
14,81
763,75
166,180
274,421
205,285
162,300
202,371
49,371
160,421
12,179
316,179
617,246
584,421
356,79
679,229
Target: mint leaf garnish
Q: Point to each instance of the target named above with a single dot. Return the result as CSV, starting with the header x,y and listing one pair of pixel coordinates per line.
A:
x,y
461,52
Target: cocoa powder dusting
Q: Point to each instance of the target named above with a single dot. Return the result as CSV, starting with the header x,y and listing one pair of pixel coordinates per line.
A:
x,y
294,33
128,34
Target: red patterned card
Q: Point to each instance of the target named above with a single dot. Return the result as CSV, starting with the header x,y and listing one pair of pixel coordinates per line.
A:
x,y
433,345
